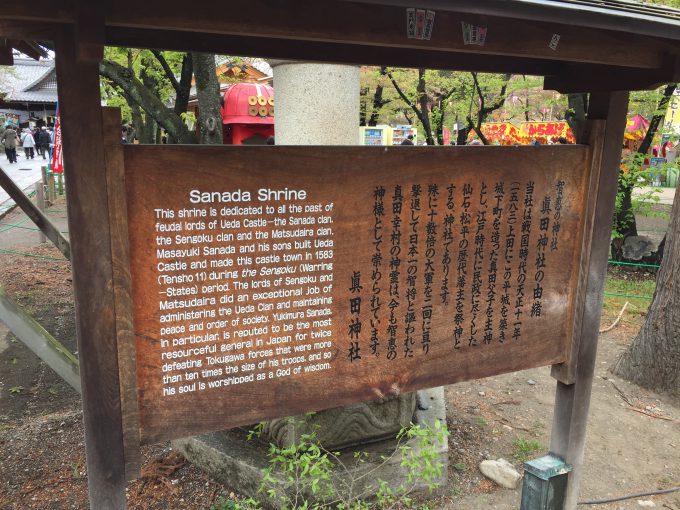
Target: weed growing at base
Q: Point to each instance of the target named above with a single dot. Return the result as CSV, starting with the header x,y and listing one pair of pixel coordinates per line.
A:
x,y
525,448
305,476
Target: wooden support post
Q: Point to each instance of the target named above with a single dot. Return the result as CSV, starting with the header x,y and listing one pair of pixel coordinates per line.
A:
x,y
40,203
51,193
572,401
35,214
60,184
88,214
36,338
122,290
6,57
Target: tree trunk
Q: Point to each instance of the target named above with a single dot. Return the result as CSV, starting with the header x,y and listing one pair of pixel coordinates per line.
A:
x,y
184,86
378,101
438,117
145,98
363,106
576,114
461,138
137,121
653,359
423,101
658,118
208,94
150,128
625,222
420,109
484,111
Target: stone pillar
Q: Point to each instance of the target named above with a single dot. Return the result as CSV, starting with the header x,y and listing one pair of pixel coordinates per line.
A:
x,y
316,104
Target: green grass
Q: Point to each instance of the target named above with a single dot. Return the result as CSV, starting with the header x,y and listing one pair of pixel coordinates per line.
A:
x,y
525,448
636,285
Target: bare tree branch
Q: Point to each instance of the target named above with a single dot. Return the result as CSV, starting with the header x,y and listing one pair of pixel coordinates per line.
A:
x,y
166,67
401,93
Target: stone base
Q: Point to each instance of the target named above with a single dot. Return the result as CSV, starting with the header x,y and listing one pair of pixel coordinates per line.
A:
x,y
347,426
238,463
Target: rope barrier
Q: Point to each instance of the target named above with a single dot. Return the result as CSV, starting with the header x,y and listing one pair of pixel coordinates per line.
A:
x,y
35,229
13,226
617,263
627,295
31,255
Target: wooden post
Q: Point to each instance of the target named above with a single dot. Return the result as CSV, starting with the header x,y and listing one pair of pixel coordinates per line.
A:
x,y
60,184
51,193
40,202
572,401
43,173
122,289
88,215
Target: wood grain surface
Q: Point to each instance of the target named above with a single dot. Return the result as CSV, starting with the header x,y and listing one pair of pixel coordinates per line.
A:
x,y
93,279
422,348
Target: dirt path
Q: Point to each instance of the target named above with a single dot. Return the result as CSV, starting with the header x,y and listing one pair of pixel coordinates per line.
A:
x,y
633,435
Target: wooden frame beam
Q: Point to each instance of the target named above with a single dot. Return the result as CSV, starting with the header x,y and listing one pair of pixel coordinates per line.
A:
x,y
584,59
385,25
327,51
6,57
588,78
560,76
356,23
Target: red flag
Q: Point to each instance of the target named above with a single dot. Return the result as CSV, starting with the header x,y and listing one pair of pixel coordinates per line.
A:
x,y
57,162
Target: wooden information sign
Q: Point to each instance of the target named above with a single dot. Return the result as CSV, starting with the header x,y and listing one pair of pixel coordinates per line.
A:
x,y
262,288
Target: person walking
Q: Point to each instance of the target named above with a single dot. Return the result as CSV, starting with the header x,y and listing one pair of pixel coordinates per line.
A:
x,y
43,142
35,134
28,143
9,140
408,140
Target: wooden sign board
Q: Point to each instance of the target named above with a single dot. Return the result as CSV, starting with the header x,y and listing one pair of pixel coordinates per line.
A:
x,y
269,281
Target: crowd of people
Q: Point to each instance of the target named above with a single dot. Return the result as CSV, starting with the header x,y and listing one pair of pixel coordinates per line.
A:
x,y
38,140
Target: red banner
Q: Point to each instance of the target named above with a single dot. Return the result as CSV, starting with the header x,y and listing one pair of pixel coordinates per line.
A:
x,y
57,162
546,131
502,132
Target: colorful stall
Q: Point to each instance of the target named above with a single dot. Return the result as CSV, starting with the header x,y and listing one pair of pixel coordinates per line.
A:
x,y
545,132
248,114
636,129
502,133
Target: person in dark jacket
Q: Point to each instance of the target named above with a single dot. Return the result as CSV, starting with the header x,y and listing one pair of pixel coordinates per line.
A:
x,y
408,140
9,141
43,142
